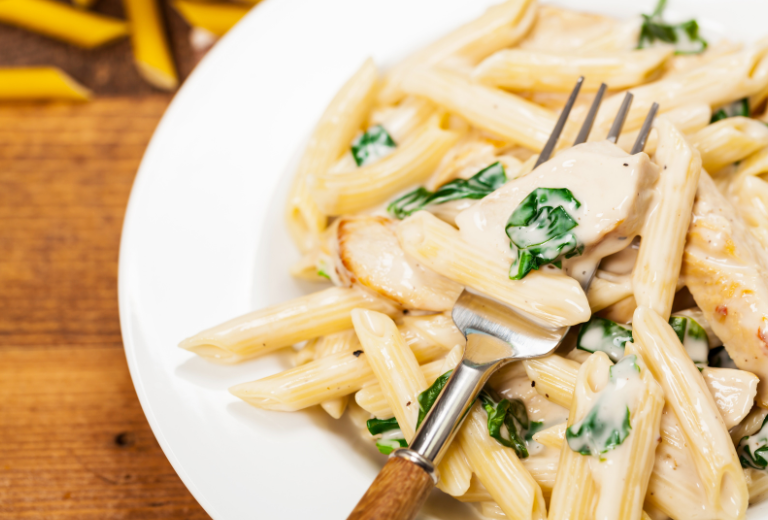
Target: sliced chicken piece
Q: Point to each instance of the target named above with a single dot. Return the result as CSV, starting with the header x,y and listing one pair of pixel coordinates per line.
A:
x,y
614,190
370,254
726,272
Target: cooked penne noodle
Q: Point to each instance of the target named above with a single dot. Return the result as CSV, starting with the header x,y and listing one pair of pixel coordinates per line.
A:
x,y
476,491
308,385
266,330
552,437
431,336
151,51
367,186
555,378
675,488
751,424
215,18
345,341
28,83
62,22
372,399
689,119
543,469
551,297
687,395
394,365
654,277
501,26
505,115
500,471
520,69
726,79
330,138
588,488
728,141
621,311
603,293
757,483
401,381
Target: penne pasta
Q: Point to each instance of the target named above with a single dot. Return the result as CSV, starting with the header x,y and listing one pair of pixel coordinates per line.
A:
x,y
726,79
542,295
500,471
62,22
266,330
734,392
603,293
552,437
728,141
215,18
330,138
711,448
521,69
345,341
501,26
554,378
586,486
151,52
28,83
505,115
654,277
370,185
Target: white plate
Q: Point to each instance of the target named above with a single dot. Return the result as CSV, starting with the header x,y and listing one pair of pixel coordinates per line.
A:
x,y
204,241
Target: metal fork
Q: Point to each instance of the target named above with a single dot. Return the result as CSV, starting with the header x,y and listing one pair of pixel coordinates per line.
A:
x,y
496,334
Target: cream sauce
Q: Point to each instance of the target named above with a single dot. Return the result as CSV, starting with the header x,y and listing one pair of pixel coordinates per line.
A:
x,y
613,187
539,408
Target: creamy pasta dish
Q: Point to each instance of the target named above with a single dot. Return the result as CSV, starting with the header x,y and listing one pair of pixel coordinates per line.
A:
x,y
419,181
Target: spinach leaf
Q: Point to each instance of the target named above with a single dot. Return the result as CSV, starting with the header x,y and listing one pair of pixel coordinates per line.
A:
x,y
377,426
371,146
534,428
539,230
693,337
685,36
428,397
753,449
601,335
607,424
476,187
387,446
737,108
507,421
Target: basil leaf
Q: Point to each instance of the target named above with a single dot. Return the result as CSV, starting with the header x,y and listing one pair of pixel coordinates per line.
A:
x,y
538,230
371,146
602,335
428,397
718,357
387,446
693,337
737,108
481,184
377,426
607,424
753,449
685,36
507,421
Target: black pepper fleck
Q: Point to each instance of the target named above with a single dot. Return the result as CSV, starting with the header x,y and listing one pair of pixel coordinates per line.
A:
x,y
533,383
357,353
125,439
626,164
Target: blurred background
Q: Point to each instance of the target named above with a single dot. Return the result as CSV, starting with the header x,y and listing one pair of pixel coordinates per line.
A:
x,y
82,87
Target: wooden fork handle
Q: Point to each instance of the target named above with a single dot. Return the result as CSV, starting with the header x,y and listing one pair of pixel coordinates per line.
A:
x,y
398,492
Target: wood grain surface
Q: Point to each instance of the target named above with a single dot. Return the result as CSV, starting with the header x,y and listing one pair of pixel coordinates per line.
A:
x,y
397,493
74,442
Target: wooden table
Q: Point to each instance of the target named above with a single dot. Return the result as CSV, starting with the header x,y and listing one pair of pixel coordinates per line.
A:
x,y
74,442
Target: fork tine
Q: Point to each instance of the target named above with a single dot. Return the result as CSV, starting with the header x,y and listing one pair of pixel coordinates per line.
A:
x,y
618,122
546,153
586,127
645,130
